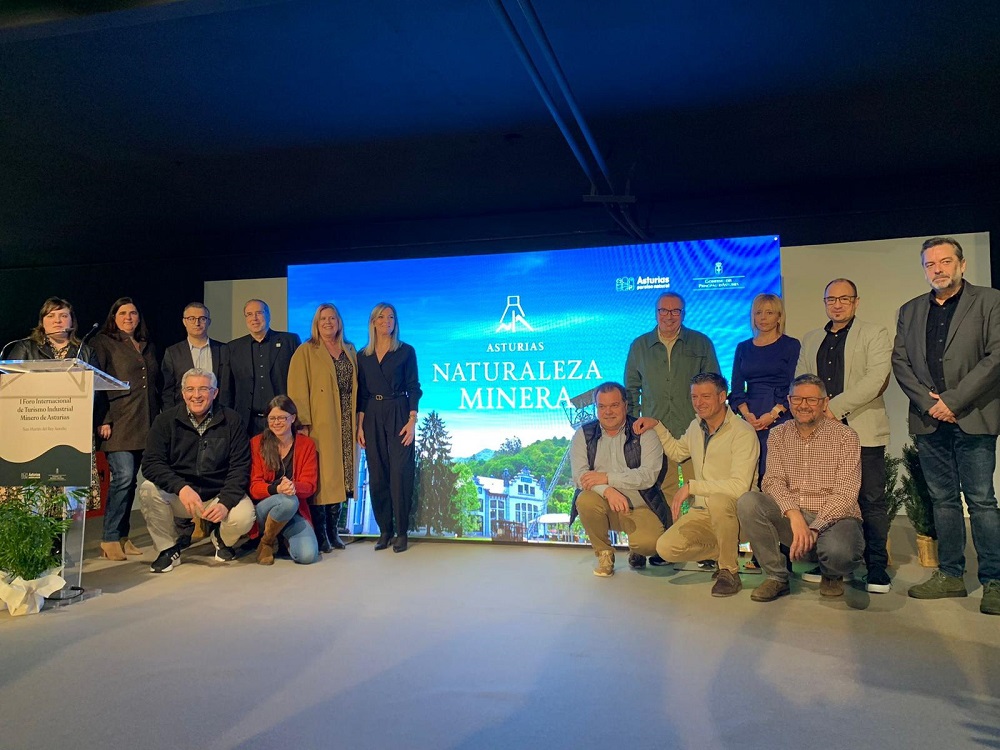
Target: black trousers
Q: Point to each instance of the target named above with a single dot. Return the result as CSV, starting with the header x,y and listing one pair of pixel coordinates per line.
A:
x,y
874,508
391,465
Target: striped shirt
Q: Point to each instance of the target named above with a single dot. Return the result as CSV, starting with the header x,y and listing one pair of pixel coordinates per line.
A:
x,y
821,473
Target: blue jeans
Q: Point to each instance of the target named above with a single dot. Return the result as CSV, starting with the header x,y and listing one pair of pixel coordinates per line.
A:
x,y
838,549
124,467
297,533
953,460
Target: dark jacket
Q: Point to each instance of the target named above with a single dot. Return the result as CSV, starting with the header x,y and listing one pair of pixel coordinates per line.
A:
x,y
131,412
653,496
971,362
177,361
283,346
26,349
216,464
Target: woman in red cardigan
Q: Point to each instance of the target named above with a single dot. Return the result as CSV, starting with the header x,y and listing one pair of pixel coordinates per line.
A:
x,y
283,476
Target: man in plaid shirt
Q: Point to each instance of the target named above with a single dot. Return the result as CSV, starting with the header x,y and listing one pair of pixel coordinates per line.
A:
x,y
809,498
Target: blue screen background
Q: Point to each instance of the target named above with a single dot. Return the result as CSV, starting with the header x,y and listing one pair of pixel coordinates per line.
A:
x,y
581,305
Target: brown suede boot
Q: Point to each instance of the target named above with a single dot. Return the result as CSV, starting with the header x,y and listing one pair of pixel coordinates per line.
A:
x,y
113,551
269,541
199,530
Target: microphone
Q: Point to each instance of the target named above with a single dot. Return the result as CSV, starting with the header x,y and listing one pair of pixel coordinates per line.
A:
x,y
9,344
85,337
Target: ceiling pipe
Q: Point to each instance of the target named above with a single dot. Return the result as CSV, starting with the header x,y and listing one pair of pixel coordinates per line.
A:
x,y
557,72
536,78
625,221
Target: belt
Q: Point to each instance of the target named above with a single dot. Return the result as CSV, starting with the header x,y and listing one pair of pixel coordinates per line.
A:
x,y
380,397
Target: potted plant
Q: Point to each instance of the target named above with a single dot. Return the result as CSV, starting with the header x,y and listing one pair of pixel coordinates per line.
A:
x,y
32,521
917,500
895,494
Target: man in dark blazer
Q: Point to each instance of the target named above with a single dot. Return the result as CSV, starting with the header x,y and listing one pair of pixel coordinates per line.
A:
x,y
947,361
197,350
259,364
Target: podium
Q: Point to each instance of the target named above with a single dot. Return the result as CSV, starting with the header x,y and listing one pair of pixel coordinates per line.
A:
x,y
47,436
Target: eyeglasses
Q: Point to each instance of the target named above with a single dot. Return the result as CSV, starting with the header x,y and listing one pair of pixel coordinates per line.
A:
x,y
845,300
200,390
673,313
811,400
197,318
279,420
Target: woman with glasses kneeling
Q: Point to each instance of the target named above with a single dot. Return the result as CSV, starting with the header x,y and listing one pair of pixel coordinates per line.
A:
x,y
283,476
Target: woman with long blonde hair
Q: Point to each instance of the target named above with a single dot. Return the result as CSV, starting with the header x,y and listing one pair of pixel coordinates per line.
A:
x,y
388,395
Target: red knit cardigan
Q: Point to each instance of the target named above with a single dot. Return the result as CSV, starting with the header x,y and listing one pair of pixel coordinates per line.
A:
x,y
305,473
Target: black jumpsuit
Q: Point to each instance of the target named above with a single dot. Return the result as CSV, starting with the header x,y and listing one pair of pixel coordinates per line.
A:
x,y
387,392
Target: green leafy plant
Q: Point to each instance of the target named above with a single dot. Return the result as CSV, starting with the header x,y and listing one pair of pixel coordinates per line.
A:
x,y
895,492
916,496
30,522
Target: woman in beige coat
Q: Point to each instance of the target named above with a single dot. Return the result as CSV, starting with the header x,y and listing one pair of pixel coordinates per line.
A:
x,y
323,383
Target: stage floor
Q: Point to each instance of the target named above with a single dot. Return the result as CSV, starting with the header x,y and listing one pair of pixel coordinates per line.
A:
x,y
490,646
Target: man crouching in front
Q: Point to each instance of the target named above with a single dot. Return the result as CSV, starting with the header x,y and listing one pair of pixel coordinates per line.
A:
x,y
723,450
809,498
618,476
196,465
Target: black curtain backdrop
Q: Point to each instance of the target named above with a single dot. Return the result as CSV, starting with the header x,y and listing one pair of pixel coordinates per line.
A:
x,y
163,272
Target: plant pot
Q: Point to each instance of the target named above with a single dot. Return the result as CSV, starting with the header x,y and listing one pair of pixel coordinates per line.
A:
x,y
888,553
927,551
21,597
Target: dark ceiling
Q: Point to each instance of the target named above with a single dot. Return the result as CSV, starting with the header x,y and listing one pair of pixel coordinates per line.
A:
x,y
218,117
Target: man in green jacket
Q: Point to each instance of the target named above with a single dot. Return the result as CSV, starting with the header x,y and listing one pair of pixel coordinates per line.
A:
x,y
658,374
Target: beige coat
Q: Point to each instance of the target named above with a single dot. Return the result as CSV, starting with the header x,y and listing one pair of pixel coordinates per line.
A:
x,y
312,385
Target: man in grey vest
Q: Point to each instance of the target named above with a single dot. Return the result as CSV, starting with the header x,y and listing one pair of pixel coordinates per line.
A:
x,y
618,476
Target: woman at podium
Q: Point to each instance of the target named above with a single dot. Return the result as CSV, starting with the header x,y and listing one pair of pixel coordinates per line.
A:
x,y
125,352
54,337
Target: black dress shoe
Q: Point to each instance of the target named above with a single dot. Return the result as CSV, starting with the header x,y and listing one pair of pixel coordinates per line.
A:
x,y
400,544
658,561
636,561
383,541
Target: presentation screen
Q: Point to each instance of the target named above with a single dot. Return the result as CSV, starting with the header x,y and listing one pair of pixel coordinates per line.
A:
x,y
510,347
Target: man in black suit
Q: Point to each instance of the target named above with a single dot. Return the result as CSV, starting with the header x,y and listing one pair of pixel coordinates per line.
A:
x,y
197,350
947,361
259,364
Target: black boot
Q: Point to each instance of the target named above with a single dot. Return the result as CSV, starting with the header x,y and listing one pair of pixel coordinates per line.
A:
x,y
318,513
332,521
383,540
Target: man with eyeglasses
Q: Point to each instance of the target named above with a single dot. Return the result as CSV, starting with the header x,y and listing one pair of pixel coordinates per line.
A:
x,y
852,357
946,359
259,363
809,496
196,465
197,350
658,372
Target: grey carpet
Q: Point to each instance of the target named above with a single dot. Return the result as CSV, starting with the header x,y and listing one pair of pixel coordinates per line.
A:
x,y
489,646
